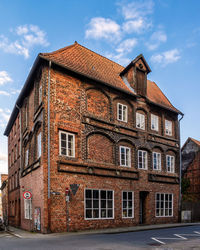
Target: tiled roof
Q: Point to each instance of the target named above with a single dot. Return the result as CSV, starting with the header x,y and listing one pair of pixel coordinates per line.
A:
x,y
195,141
84,61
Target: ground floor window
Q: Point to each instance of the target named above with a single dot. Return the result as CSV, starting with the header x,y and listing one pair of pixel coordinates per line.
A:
x,y
164,205
127,204
28,209
99,204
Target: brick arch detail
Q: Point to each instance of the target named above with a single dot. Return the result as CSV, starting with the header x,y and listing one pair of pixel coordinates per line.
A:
x,y
100,148
108,112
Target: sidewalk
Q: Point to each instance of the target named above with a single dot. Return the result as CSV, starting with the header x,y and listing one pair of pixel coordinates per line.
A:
x,y
26,234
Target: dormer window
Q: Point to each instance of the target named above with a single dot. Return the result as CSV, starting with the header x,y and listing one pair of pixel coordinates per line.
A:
x,y
140,121
122,111
168,127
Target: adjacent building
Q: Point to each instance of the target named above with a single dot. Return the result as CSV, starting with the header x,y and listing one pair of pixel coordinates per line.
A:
x,y
191,168
4,197
99,145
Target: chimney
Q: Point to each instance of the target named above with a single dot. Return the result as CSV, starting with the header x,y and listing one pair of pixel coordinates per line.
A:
x,y
135,75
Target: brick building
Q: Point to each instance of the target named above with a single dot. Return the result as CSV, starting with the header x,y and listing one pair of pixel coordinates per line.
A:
x,y
102,131
4,196
191,168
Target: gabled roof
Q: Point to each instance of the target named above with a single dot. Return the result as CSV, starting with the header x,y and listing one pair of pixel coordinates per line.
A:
x,y
193,140
84,61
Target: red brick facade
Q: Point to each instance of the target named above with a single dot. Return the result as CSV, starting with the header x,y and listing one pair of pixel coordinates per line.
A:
x,y
86,111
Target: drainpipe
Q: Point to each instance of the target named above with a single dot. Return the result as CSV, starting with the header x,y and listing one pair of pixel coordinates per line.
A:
x,y
48,145
180,166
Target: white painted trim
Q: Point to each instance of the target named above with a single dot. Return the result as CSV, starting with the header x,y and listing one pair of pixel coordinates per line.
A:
x,y
129,156
159,165
155,117
171,157
113,208
126,114
146,159
165,216
133,204
67,133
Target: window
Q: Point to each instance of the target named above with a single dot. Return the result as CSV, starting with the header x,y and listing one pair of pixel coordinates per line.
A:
x,y
39,145
26,158
28,209
142,159
40,94
156,161
99,204
154,122
164,205
125,156
170,163
127,204
122,112
67,144
140,121
168,127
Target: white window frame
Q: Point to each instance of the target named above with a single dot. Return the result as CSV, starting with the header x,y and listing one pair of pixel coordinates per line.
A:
x,y
154,122
164,205
39,145
127,201
168,127
124,112
140,121
28,209
157,163
127,159
67,149
26,158
99,208
170,163
144,159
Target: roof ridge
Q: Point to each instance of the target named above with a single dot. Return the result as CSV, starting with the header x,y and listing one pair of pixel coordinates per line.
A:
x,y
100,55
59,50
194,140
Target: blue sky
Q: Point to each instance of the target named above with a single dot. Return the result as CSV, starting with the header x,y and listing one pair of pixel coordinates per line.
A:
x,y
166,32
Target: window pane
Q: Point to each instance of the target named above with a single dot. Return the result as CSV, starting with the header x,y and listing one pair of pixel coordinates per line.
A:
x,y
130,213
103,194
124,204
95,203
110,213
110,194
103,213
95,194
130,195
88,193
88,204
96,213
103,203
124,195
88,213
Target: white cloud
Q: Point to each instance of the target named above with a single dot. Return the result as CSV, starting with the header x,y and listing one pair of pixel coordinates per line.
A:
x,y
4,115
137,9
126,46
156,39
3,162
166,57
119,58
2,92
4,77
28,37
138,25
106,28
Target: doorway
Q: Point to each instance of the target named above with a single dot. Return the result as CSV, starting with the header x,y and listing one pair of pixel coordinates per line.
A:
x,y
143,207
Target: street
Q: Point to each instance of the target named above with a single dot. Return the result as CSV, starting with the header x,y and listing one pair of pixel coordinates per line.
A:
x,y
171,238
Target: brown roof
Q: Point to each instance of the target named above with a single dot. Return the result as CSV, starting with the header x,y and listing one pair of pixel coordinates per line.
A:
x,y
195,141
84,61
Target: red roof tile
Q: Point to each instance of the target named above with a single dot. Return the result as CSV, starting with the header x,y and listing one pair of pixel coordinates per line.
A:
x,y
195,141
84,61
